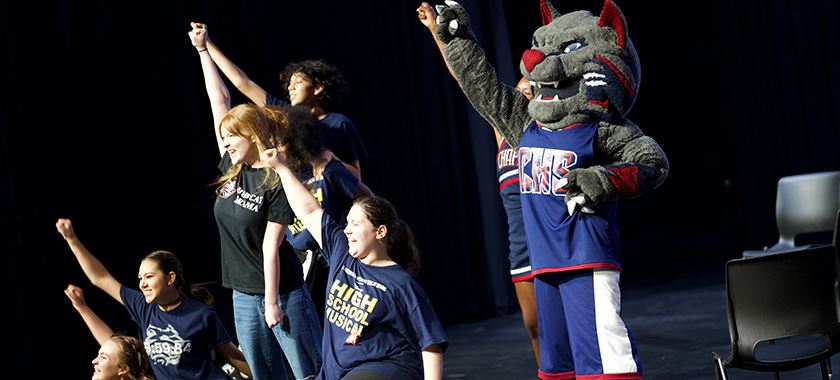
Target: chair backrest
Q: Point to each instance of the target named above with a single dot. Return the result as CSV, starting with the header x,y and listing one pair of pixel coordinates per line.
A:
x,y
781,296
806,203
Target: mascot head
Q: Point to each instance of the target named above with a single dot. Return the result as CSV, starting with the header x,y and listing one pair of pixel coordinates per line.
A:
x,y
582,68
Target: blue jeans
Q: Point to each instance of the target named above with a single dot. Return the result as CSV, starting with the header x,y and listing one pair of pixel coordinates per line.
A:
x,y
298,336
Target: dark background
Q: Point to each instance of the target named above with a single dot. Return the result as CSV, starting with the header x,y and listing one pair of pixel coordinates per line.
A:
x,y
104,119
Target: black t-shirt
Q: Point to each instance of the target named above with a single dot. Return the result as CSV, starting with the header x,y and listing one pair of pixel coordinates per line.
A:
x,y
243,208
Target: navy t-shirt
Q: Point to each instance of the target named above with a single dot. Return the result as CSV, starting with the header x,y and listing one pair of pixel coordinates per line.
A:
x,y
243,208
335,190
178,341
340,135
383,308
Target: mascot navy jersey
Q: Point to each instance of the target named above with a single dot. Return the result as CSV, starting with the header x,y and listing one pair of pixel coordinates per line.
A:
x,y
577,241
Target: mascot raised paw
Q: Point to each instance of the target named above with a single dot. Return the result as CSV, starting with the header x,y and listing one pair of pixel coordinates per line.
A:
x,y
578,155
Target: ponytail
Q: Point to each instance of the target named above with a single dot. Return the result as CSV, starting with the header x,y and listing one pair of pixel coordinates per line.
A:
x,y
399,239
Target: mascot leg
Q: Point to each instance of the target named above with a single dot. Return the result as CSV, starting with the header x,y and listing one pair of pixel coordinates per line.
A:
x,y
580,321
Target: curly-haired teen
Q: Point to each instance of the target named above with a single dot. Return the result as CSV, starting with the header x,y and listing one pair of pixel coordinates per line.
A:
x,y
313,83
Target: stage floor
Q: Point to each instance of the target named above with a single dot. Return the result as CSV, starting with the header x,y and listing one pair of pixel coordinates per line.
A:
x,y
676,324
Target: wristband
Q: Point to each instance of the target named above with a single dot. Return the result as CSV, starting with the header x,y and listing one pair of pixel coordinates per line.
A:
x,y
205,49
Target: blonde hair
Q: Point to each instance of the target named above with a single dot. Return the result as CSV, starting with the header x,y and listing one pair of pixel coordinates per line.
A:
x,y
132,356
262,124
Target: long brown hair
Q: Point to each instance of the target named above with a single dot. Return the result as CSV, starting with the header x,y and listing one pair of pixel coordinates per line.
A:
x,y
168,262
399,240
262,124
132,356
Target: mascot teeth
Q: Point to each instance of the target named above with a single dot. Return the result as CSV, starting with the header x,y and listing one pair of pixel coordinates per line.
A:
x,y
552,84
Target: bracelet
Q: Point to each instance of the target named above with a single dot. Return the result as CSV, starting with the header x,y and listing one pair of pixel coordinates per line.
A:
x,y
205,49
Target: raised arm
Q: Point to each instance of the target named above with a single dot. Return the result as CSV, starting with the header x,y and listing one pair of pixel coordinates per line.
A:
x,y
93,268
432,363
100,330
304,205
236,76
427,16
216,89
502,106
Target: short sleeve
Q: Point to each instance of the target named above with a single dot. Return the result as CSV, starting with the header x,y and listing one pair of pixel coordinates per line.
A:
x,y
426,329
342,138
219,332
355,140
344,181
224,163
134,303
279,210
271,100
333,240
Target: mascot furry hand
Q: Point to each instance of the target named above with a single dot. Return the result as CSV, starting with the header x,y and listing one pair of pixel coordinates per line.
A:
x,y
582,69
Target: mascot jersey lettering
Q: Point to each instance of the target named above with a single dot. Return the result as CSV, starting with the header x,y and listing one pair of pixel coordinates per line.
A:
x,y
556,240
507,170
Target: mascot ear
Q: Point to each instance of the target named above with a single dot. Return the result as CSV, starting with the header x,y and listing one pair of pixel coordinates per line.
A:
x,y
611,17
548,12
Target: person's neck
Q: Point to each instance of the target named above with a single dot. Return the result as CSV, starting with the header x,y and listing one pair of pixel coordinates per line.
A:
x,y
318,112
378,258
169,306
254,163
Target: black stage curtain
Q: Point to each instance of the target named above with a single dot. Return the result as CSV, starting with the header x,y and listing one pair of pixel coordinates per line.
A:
x,y
104,119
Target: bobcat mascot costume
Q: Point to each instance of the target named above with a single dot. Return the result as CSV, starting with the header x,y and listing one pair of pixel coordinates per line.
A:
x,y
578,155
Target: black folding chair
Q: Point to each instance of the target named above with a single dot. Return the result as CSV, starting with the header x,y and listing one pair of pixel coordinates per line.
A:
x,y
783,312
806,204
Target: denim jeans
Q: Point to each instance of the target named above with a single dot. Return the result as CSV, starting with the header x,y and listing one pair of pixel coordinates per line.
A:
x,y
298,336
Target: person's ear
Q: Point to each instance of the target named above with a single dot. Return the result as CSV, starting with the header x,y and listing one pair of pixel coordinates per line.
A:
x,y
381,232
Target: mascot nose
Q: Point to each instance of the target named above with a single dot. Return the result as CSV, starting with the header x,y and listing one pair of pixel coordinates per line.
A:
x,y
531,58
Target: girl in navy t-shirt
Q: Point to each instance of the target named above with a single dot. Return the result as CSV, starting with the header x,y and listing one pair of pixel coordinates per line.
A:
x,y
179,333
379,322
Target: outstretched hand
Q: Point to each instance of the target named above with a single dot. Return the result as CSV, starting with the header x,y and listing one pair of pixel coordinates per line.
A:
x,y
76,296
427,15
65,228
452,21
198,35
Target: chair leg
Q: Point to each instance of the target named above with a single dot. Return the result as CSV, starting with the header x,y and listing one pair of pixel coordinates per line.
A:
x,y
720,370
825,369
